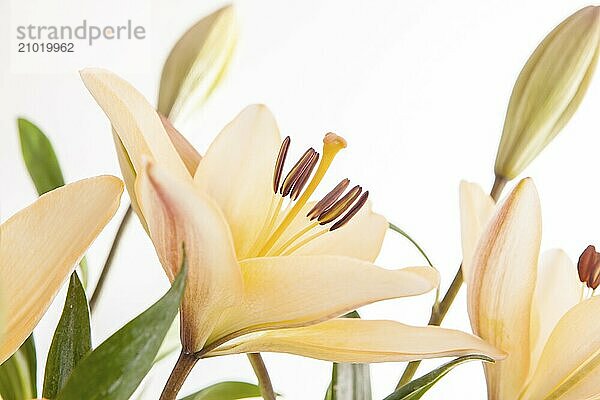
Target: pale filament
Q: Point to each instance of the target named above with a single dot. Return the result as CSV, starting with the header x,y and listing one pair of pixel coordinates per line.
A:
x,y
290,241
268,223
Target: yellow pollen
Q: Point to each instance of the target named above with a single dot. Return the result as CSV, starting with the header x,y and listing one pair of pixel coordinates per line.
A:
x,y
332,144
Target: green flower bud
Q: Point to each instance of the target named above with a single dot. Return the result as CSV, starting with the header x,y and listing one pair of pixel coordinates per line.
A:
x,y
196,64
548,90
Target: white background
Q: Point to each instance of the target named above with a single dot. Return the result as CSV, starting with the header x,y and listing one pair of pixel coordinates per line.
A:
x,y
419,90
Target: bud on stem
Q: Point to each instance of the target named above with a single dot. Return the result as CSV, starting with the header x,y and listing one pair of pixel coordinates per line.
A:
x,y
548,90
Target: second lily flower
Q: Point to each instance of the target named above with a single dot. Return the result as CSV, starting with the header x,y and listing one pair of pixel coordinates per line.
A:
x,y
535,311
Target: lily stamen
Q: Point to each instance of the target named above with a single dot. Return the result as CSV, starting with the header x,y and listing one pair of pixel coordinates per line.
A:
x,y
588,268
334,209
303,178
322,205
352,212
306,164
332,213
285,145
340,206
332,144
328,200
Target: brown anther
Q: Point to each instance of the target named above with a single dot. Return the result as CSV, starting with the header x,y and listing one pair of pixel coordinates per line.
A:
x,y
292,177
283,150
588,267
328,199
340,206
303,178
352,212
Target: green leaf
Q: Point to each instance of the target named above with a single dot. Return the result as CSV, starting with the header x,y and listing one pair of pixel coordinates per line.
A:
x,y
416,389
115,369
39,157
18,373
350,381
226,391
71,342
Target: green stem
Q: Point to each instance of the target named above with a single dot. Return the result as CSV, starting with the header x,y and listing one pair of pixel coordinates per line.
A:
x,y
109,259
439,310
400,231
184,365
264,381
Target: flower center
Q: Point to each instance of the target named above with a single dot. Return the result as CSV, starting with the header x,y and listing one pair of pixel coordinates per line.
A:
x,y
284,231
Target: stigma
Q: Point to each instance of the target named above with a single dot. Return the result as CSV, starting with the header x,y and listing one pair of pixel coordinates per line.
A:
x,y
287,229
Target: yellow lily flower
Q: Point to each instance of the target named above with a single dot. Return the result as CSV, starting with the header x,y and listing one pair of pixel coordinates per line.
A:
x,y
40,246
549,90
537,312
257,266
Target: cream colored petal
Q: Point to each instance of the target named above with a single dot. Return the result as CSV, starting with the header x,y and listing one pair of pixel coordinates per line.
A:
x,y
476,210
135,121
557,290
40,246
237,172
301,290
362,341
569,368
189,155
360,238
503,281
178,215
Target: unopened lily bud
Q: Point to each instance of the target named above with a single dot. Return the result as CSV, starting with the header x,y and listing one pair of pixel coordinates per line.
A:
x,y
548,90
197,63
588,267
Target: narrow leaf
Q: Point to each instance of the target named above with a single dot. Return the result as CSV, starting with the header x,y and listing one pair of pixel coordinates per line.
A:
x,y
416,389
29,352
350,381
115,369
39,157
226,391
18,373
71,342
